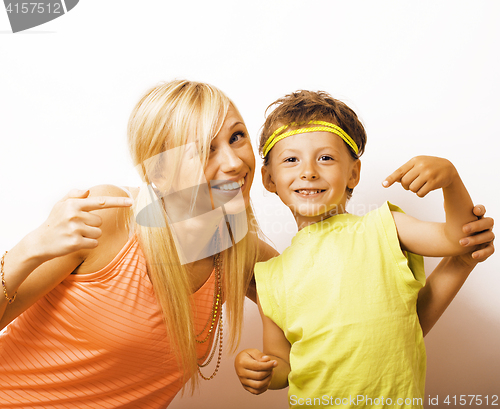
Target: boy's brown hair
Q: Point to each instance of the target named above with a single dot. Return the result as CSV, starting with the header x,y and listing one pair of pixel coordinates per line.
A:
x,y
303,106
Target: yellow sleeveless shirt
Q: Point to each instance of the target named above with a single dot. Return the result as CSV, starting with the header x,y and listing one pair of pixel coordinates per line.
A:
x,y
345,296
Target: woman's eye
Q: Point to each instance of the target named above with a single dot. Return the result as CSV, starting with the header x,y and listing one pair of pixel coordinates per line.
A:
x,y
236,137
210,150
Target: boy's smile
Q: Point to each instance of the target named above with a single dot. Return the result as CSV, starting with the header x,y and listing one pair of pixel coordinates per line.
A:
x,y
311,172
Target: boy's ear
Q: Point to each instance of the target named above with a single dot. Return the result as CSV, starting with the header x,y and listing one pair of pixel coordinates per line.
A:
x,y
355,174
267,179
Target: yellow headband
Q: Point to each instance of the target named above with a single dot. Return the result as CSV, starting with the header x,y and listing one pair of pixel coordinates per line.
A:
x,y
327,127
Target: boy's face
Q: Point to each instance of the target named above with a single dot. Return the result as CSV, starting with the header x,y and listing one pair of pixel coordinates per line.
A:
x,y
310,172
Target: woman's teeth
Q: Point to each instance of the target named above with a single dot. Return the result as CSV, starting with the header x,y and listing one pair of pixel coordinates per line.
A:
x,y
232,185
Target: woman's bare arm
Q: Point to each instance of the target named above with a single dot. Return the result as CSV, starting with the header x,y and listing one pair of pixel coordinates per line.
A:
x,y
47,255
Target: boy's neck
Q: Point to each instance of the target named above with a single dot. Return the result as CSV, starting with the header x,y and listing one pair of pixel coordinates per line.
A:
x,y
307,221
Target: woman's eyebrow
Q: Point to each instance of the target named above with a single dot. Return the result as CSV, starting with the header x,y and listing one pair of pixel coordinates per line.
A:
x,y
235,124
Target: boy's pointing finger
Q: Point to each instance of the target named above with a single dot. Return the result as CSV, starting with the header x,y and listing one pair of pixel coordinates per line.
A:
x,y
393,177
397,175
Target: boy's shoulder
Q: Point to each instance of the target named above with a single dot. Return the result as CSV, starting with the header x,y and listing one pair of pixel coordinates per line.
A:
x,y
384,212
269,264
374,209
272,268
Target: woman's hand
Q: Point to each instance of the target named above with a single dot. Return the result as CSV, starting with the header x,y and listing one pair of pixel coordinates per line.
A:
x,y
448,277
480,238
47,255
71,226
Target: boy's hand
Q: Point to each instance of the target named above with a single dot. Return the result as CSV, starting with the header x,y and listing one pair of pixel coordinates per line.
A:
x,y
255,370
423,174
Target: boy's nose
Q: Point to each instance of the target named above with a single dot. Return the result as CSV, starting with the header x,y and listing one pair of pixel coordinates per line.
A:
x,y
309,173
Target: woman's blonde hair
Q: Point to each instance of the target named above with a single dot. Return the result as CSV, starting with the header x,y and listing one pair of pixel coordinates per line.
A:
x,y
171,115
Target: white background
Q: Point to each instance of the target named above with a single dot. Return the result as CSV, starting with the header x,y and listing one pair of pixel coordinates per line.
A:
x,y
423,76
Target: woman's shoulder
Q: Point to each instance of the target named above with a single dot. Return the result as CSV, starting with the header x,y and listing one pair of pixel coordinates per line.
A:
x,y
113,219
114,224
113,190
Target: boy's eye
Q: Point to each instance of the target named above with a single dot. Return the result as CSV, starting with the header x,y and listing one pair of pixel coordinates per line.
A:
x,y
236,137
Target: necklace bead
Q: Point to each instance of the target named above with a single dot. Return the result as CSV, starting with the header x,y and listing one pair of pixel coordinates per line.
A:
x,y
212,320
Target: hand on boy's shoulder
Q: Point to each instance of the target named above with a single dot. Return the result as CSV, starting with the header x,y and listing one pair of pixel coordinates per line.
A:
x,y
266,251
423,174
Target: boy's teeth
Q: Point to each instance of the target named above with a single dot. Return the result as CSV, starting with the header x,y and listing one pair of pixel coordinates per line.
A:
x,y
308,192
232,185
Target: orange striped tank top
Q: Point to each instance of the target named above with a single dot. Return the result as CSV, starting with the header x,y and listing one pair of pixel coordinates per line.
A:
x,y
96,341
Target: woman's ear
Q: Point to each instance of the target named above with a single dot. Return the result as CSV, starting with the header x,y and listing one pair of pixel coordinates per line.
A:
x,y
267,179
355,174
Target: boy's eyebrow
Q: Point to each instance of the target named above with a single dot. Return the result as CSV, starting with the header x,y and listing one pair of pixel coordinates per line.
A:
x,y
291,150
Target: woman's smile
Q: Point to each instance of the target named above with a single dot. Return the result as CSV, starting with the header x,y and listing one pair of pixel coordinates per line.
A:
x,y
231,164
229,186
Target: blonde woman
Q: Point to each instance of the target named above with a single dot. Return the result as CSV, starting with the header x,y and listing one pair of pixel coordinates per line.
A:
x,y
119,307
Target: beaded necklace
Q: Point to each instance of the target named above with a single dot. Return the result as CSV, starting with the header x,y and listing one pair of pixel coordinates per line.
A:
x,y
212,320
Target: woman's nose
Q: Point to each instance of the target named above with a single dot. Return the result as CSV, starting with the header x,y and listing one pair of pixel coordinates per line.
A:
x,y
229,160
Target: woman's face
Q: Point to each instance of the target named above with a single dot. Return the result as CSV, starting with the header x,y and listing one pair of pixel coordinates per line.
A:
x,y
231,162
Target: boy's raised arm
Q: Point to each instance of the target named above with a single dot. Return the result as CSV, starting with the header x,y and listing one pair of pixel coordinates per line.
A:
x,y
421,175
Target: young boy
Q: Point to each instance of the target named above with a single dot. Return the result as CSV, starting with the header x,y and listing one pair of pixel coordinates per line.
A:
x,y
339,305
